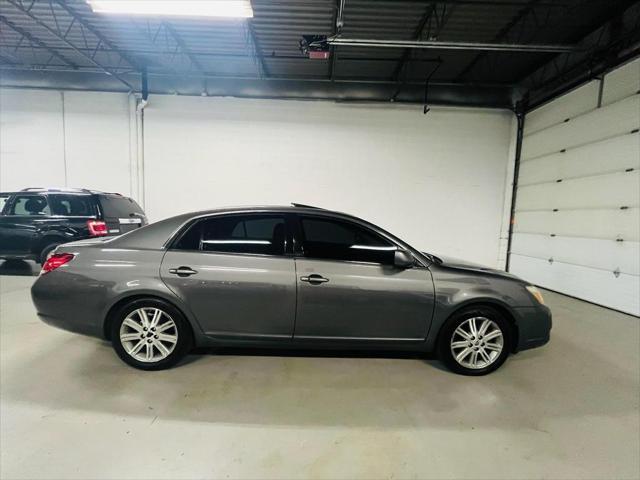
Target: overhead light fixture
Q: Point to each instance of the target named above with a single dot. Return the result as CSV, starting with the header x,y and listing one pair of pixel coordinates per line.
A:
x,y
181,8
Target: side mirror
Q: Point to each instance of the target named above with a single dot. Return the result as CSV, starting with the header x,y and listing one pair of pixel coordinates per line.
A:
x,y
403,259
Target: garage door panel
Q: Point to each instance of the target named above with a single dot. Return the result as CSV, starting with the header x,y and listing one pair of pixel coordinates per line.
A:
x,y
580,100
590,252
606,224
615,119
578,197
598,286
614,154
621,83
611,191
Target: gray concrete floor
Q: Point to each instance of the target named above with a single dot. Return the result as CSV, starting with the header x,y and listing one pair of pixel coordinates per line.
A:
x,y
71,409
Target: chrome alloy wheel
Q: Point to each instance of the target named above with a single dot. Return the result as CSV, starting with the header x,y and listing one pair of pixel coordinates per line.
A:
x,y
149,334
477,343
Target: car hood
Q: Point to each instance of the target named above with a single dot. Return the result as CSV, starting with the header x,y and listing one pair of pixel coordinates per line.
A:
x,y
458,264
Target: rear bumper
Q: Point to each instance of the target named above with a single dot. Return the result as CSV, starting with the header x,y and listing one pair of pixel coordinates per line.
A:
x,y
58,306
534,327
70,325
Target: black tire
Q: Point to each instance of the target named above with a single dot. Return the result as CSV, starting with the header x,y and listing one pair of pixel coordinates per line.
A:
x,y
446,333
182,330
44,253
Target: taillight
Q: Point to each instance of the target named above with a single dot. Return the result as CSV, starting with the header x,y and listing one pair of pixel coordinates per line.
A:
x,y
97,228
55,261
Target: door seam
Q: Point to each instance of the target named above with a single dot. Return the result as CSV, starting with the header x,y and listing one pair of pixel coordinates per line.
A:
x,y
295,313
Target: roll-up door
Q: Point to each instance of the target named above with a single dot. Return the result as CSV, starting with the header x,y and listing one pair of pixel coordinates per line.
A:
x,y
577,221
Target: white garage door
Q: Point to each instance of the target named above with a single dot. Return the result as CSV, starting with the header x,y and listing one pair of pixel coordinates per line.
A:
x,y
577,223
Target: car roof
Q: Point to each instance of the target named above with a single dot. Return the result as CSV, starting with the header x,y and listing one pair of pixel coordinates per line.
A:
x,y
293,208
65,190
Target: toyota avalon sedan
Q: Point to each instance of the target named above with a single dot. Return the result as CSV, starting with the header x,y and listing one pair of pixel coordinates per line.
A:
x,y
284,277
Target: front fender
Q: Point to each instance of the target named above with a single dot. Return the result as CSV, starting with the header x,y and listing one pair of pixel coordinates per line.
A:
x,y
455,289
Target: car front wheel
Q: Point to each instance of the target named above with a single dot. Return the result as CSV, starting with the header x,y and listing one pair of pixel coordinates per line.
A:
x,y
475,341
150,334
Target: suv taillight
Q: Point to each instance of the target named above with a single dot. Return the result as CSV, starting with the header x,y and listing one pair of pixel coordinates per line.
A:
x,y
55,261
97,228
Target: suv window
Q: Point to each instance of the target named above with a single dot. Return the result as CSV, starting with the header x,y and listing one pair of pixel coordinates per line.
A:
x,y
72,205
254,233
116,206
340,240
29,205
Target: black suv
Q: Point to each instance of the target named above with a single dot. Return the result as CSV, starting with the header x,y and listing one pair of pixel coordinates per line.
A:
x,y
34,221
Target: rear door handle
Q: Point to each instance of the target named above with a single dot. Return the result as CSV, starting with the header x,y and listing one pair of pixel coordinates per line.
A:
x,y
314,279
182,271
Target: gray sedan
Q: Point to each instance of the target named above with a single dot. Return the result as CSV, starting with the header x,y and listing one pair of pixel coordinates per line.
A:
x,y
284,277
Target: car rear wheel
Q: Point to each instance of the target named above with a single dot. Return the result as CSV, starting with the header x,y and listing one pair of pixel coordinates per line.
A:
x,y
475,341
150,334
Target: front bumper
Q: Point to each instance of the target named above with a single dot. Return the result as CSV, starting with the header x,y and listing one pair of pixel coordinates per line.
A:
x,y
534,327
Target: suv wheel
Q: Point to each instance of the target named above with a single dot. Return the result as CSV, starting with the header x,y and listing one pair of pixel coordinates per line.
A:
x,y
475,341
150,334
46,251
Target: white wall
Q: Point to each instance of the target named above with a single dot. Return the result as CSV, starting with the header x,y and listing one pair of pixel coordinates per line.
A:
x,y
441,181
72,139
577,226
436,180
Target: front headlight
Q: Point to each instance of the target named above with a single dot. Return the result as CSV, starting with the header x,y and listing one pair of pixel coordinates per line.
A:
x,y
536,293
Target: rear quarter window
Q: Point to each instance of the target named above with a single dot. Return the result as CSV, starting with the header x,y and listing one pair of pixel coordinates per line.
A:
x,y
115,206
72,205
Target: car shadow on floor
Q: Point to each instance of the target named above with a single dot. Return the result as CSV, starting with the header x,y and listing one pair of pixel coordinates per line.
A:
x,y
21,268
428,357
365,389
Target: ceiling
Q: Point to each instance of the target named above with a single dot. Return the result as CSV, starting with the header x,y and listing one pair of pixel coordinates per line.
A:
x,y
63,44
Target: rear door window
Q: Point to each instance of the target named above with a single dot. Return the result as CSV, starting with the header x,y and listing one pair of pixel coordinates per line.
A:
x,y
72,205
30,206
116,206
254,234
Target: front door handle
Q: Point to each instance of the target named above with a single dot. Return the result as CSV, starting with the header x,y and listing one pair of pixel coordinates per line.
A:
x,y
314,279
182,271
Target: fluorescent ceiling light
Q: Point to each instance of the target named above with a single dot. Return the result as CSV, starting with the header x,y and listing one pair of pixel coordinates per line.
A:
x,y
182,8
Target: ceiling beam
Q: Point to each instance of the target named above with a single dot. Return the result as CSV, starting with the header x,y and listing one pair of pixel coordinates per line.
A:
x,y
417,35
322,88
281,78
90,59
520,18
615,42
96,33
256,48
36,41
10,59
477,3
232,56
425,44
183,46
